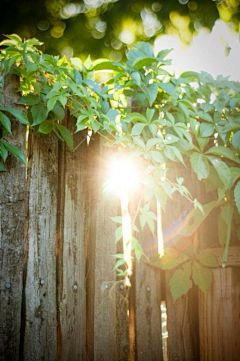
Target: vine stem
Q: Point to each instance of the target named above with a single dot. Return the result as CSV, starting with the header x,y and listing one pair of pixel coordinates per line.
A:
x,y
127,235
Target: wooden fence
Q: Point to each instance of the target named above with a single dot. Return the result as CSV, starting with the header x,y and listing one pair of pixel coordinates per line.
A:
x,y
59,297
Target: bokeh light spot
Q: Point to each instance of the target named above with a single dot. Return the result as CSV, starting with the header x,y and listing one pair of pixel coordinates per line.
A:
x,y
126,37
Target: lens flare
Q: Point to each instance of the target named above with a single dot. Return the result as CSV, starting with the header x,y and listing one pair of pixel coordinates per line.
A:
x,y
123,175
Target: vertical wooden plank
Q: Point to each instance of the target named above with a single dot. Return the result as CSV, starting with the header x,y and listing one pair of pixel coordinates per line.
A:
x,y
182,323
40,339
102,342
219,317
71,287
148,336
12,218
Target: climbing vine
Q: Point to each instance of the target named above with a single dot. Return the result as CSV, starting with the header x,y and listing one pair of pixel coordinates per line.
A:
x,y
177,128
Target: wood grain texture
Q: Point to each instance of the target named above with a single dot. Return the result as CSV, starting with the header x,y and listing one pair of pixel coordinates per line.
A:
x,y
71,288
233,259
40,339
219,317
182,324
102,343
12,218
148,337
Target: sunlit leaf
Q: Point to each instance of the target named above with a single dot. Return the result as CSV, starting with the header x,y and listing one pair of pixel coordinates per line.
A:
x,y
199,165
137,128
202,276
171,259
237,196
236,141
223,171
223,151
208,260
180,283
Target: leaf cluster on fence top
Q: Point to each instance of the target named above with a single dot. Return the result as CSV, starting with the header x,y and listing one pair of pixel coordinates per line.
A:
x,y
173,126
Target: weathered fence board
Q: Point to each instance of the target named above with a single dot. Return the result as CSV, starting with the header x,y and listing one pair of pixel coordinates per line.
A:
x,y
148,337
12,219
70,249
60,297
40,289
219,317
182,321
233,259
102,343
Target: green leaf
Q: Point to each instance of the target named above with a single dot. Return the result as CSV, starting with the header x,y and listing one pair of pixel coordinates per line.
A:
x,y
163,53
152,142
199,165
65,133
224,229
3,151
198,218
236,141
5,122
202,276
29,99
237,196
39,113
151,92
138,251
173,153
116,219
169,88
136,77
137,128
135,117
140,62
170,139
51,102
18,114
15,151
171,259
223,171
46,127
101,64
119,263
180,282
206,129
59,111
118,233
235,171
14,37
208,260
156,156
2,168
77,63
223,151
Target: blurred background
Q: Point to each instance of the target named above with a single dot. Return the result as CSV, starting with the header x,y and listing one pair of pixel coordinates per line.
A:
x,y
203,33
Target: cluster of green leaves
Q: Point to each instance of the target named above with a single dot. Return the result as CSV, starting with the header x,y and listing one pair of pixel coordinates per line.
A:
x,y
165,123
192,268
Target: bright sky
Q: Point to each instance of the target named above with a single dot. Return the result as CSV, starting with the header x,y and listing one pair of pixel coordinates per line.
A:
x,y
207,52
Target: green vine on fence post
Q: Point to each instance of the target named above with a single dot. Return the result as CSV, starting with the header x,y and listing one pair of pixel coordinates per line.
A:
x,y
160,120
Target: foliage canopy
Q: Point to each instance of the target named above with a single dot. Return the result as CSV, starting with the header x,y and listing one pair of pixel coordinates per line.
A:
x,y
176,128
102,28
